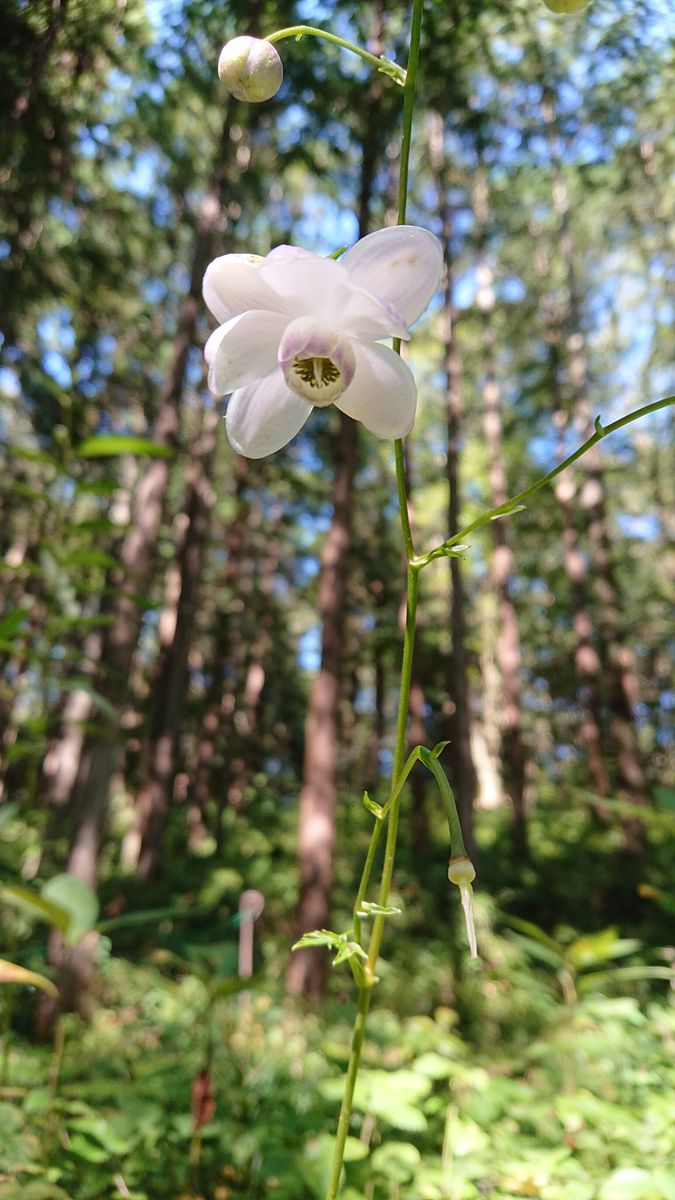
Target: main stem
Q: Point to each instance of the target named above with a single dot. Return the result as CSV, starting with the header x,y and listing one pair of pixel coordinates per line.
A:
x,y
412,581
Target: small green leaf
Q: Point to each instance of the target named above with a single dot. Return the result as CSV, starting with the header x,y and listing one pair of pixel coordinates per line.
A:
x,y
375,809
347,950
109,445
318,937
439,748
370,909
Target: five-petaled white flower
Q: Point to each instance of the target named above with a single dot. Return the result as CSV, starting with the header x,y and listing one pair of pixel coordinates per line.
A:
x,y
300,331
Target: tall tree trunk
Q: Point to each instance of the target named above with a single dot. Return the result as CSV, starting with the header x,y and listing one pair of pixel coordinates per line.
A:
x,y
316,837
617,660
169,689
508,652
100,752
459,756
210,736
306,974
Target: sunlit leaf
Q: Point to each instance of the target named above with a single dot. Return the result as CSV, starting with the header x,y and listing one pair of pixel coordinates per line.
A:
x,y
108,445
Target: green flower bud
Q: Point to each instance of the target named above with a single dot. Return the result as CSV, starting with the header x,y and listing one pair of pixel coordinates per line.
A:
x,y
251,69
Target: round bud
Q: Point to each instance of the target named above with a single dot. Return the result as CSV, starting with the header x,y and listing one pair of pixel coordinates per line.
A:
x,y
565,6
251,69
461,871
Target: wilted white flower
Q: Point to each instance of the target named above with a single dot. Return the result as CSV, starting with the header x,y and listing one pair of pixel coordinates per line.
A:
x,y
300,331
251,69
462,873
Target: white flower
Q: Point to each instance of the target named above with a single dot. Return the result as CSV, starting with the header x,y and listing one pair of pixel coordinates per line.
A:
x,y
300,331
251,69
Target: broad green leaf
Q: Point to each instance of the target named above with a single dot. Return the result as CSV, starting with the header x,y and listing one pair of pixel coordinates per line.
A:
x,y
79,901
12,973
108,445
396,1160
82,1147
599,947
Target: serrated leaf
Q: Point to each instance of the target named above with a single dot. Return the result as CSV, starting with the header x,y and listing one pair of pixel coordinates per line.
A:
x,y
109,445
318,937
348,950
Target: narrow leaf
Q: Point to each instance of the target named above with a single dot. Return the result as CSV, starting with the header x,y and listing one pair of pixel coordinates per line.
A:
x,y
109,445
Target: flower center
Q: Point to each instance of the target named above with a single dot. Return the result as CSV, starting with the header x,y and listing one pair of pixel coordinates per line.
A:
x,y
317,360
318,373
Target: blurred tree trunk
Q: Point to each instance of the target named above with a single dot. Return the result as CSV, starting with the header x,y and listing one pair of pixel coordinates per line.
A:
x,y
101,749
208,770
508,650
316,835
615,657
460,761
316,832
176,624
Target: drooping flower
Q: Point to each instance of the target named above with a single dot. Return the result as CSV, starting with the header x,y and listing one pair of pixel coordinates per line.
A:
x,y
462,873
299,331
251,69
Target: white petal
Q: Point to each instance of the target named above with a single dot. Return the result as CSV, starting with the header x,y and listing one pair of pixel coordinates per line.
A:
x,y
307,285
382,394
233,284
264,416
401,265
243,349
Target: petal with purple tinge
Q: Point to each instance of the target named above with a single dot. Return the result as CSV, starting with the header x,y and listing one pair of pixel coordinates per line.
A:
x,y
244,349
382,394
401,265
233,284
264,416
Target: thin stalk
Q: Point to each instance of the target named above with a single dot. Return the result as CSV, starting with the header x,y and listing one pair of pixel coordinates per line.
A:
x,y
601,431
358,1032
386,65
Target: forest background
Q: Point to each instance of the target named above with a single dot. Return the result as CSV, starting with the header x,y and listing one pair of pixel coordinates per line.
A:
x,y
171,615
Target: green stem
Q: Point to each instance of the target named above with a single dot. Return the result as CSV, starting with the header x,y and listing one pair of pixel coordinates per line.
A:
x,y
406,676
386,65
601,432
